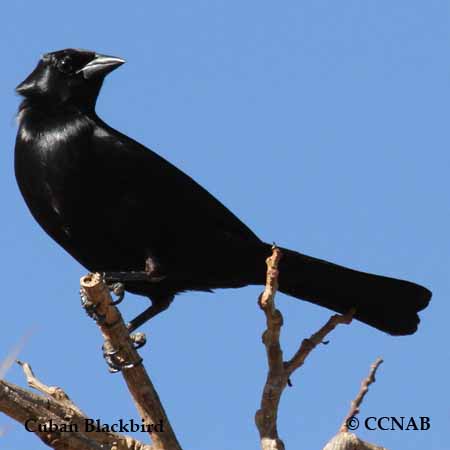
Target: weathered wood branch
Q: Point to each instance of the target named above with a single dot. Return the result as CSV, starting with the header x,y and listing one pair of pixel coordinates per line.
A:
x,y
348,441
116,336
309,344
61,424
56,420
356,403
280,370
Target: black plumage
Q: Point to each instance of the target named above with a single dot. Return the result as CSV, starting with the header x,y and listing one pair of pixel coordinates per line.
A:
x,y
116,206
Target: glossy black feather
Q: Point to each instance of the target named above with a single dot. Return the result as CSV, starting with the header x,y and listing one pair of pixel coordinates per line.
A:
x,y
112,204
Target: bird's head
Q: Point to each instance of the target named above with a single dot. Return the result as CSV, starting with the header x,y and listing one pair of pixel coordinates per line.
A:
x,y
68,76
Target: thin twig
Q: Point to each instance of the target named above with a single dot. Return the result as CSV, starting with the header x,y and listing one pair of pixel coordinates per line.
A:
x,y
53,391
356,403
7,362
308,345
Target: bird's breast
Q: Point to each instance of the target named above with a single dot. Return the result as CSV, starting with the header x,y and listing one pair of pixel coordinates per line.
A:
x,y
50,169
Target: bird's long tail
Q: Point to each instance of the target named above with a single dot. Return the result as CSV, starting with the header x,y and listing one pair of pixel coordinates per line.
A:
x,y
385,303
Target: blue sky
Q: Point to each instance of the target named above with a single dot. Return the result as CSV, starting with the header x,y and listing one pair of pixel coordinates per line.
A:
x,y
324,126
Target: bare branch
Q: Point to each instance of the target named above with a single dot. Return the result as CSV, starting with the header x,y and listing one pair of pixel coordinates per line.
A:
x,y
13,354
115,334
53,391
279,371
57,423
58,409
349,441
266,416
356,403
308,345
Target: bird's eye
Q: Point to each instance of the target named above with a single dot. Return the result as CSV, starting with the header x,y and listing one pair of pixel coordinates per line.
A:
x,y
65,65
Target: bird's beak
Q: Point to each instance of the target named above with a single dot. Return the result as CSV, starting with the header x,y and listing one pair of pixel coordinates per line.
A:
x,y
101,65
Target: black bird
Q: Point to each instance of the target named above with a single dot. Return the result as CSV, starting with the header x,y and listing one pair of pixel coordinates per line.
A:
x,y
118,207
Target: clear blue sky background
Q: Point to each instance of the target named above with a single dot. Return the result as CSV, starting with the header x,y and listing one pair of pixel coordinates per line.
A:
x,y
324,126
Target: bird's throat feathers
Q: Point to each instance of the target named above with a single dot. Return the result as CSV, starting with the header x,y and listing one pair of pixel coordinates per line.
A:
x,y
42,126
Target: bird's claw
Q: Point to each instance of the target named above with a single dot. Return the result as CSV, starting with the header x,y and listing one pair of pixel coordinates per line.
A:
x,y
139,340
91,308
114,361
118,289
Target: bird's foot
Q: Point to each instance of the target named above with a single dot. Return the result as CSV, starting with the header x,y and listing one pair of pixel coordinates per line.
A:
x,y
115,362
138,339
118,289
91,308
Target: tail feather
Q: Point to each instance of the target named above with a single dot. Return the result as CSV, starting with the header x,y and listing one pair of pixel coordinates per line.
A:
x,y
388,304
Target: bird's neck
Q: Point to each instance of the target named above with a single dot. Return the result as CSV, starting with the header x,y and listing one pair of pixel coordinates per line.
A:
x,y
42,107
38,111
38,121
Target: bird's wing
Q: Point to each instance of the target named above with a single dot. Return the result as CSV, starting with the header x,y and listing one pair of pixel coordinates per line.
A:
x,y
149,185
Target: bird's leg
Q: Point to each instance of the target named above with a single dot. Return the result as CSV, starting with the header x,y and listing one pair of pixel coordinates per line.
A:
x,y
151,273
157,307
118,289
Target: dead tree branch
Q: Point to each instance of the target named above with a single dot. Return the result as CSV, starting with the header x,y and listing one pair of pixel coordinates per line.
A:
x,y
356,403
280,370
116,336
348,441
60,424
56,420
